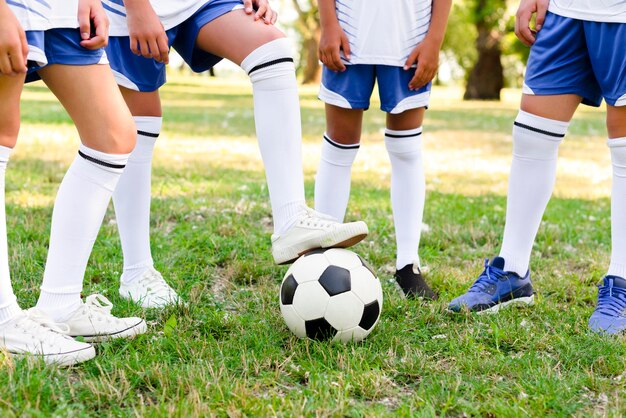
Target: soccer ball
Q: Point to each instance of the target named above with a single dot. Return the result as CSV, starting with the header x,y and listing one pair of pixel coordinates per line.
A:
x,y
331,294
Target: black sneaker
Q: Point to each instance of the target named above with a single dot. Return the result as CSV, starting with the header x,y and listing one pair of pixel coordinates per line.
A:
x,y
413,285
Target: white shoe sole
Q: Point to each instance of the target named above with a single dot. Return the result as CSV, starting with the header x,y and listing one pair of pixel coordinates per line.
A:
x,y
529,300
130,332
62,359
342,237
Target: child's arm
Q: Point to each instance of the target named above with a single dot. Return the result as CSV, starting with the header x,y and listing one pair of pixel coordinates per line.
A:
x,y
13,45
93,23
523,16
427,52
333,38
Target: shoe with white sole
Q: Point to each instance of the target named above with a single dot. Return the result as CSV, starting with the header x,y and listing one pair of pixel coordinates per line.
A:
x,y
94,322
495,289
149,290
315,230
32,333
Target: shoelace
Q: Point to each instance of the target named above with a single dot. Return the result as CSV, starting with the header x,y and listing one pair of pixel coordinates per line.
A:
x,y
154,282
45,321
611,300
489,276
98,304
317,219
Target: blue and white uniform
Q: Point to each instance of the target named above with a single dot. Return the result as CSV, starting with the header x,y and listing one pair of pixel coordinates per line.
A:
x,y
382,34
52,35
581,50
182,21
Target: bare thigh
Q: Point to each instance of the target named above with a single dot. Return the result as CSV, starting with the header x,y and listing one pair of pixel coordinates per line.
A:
x,y
10,92
235,35
93,100
142,103
557,107
409,119
344,125
616,121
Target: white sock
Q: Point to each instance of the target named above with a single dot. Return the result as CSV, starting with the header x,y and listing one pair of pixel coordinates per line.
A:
x,y
408,191
332,182
131,200
533,172
277,120
79,208
8,302
617,267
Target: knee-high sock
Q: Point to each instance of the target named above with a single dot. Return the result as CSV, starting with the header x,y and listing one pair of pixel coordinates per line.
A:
x,y
618,208
277,120
408,191
131,200
79,208
533,172
332,182
8,303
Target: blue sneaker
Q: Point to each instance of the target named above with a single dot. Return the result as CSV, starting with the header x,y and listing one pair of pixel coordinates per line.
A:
x,y
610,314
494,289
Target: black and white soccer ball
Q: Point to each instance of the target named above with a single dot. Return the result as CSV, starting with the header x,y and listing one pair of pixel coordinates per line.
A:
x,y
331,295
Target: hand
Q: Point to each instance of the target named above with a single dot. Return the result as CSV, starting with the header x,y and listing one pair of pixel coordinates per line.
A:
x,y
146,32
332,41
13,45
523,16
426,54
93,23
263,10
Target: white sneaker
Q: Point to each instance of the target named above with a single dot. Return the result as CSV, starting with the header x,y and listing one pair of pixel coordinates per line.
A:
x,y
149,290
33,333
93,321
315,230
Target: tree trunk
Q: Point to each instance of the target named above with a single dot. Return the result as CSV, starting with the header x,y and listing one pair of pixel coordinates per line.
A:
x,y
311,68
487,77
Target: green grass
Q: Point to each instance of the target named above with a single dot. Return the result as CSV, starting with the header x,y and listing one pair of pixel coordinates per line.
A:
x,y
227,352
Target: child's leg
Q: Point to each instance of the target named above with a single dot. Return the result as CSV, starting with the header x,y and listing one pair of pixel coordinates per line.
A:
x,y
132,195
403,139
104,123
537,133
264,53
616,126
10,91
339,149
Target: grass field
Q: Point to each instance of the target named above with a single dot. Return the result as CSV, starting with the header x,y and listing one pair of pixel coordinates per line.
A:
x,y
227,351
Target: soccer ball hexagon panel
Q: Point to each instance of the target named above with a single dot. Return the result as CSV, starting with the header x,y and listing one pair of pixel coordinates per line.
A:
x,y
331,294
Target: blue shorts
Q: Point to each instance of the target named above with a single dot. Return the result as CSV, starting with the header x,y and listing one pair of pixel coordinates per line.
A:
x,y
145,74
353,88
58,46
573,56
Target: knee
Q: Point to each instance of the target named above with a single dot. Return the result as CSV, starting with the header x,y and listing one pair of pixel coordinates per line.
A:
x,y
9,129
120,138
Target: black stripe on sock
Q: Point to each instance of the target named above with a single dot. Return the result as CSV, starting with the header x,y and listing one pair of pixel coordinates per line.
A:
x,y
540,131
150,134
341,146
270,63
402,136
99,162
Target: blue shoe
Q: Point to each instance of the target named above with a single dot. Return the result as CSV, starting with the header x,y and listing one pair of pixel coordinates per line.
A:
x,y
610,314
494,289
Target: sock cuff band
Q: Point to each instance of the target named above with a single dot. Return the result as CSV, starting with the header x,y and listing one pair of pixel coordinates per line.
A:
x,y
390,133
268,55
338,154
552,129
404,143
616,142
5,153
148,125
111,161
328,140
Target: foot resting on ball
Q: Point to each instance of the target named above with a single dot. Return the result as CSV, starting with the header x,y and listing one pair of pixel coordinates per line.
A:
x,y
312,230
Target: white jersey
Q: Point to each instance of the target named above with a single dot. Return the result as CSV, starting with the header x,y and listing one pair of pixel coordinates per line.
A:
x,y
171,13
45,14
593,10
383,31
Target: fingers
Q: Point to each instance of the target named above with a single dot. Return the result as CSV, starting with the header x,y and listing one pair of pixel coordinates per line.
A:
x,y
134,45
542,9
16,58
100,37
247,7
6,67
163,49
260,13
522,27
345,46
412,58
84,21
24,43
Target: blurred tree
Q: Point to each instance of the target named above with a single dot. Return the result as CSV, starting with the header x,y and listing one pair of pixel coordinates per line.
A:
x,y
308,26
